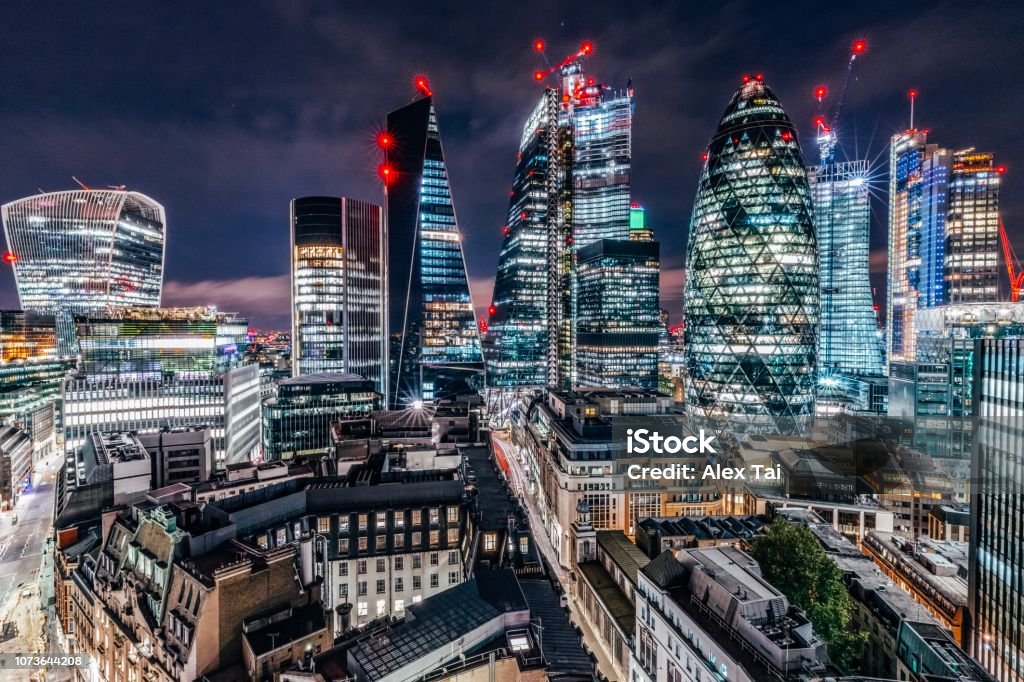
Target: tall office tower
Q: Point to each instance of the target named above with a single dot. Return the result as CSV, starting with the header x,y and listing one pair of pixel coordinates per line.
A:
x,y
430,308
618,320
83,250
848,340
972,229
143,369
338,307
996,575
918,176
571,188
602,125
751,295
529,304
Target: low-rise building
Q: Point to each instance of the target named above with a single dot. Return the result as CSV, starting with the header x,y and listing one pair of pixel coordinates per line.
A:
x,y
933,571
16,460
655,535
706,614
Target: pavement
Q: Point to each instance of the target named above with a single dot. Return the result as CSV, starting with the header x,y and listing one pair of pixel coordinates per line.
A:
x,y
520,486
26,580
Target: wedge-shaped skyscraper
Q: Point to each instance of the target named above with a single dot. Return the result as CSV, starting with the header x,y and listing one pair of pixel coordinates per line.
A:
x,y
435,342
751,295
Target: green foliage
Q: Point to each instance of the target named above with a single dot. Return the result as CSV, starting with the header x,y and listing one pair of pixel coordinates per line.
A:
x,y
792,560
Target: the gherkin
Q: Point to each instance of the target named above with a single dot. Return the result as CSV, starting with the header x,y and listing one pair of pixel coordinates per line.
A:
x,y
751,275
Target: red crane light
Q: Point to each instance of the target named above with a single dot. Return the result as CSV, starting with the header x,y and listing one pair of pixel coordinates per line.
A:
x,y
10,257
538,75
819,121
591,81
859,46
820,92
538,45
384,140
423,86
1000,169
587,47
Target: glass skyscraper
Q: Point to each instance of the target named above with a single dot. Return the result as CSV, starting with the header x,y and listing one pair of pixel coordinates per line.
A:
x,y
848,341
83,250
338,307
617,314
918,174
142,369
996,579
752,296
571,189
530,300
972,229
431,313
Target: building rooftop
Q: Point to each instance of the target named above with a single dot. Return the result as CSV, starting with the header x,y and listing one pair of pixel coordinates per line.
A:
x,y
301,622
608,591
623,553
322,378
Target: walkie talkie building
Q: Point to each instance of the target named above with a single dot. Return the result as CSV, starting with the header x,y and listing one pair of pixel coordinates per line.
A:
x,y
751,295
81,251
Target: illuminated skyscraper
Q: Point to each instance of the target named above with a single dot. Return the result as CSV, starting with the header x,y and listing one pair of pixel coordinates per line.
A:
x,y
430,308
530,302
338,309
848,342
571,189
918,176
752,295
83,250
617,315
996,578
972,229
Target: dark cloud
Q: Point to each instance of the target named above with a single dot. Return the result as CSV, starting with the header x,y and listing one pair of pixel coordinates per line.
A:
x,y
226,111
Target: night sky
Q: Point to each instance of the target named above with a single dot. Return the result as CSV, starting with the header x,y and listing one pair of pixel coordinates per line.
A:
x,y
224,111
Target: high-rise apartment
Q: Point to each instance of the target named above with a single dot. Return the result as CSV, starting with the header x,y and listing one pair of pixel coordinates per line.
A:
x,y
752,296
83,250
338,274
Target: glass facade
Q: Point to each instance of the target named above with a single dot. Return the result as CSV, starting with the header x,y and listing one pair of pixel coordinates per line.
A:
x,y
996,579
618,318
972,229
298,421
918,175
431,313
338,310
142,369
529,304
81,251
848,340
751,297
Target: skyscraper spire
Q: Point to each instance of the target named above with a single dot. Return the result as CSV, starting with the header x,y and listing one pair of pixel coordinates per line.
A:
x,y
751,293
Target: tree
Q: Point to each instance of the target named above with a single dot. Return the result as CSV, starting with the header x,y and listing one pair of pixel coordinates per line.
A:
x,y
792,560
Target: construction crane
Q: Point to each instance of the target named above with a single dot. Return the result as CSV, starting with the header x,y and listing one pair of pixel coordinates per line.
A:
x,y
826,125
586,48
1013,268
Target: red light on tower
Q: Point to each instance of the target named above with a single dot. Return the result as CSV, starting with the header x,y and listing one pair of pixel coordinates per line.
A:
x,y
759,77
587,47
384,140
491,310
859,47
505,230
538,45
912,94
387,173
591,81
999,169
820,92
704,156
819,121
10,257
786,136
746,79
538,76
423,86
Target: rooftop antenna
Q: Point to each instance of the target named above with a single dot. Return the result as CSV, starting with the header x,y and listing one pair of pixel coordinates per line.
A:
x,y
913,96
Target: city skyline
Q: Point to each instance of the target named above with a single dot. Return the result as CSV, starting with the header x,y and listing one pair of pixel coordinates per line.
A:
x,y
225,150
